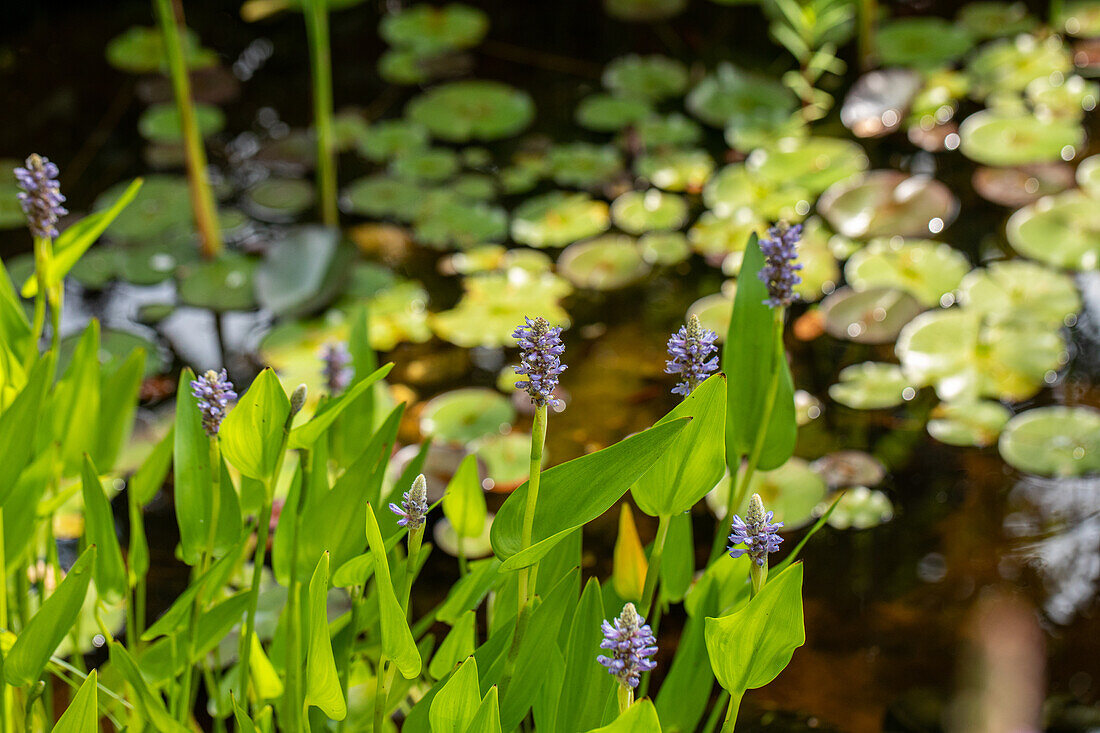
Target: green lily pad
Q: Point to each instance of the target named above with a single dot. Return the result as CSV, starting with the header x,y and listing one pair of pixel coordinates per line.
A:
x,y
676,169
161,122
1063,97
493,304
140,50
886,203
428,29
583,165
844,468
714,313
609,262
482,258
163,203
472,109
1019,186
1010,64
871,316
872,386
968,423
1062,230
809,163
463,415
382,196
446,539
671,130
389,138
399,314
664,248
646,77
860,508
461,224
1088,176
430,165
929,270
349,127
1079,18
791,491
877,103
97,267
474,186
299,272
995,19
279,200
1053,441
732,97
738,192
644,11
149,264
716,236
607,113
922,43
994,138
965,357
558,218
820,271
405,67
222,284
1018,289
637,212
507,459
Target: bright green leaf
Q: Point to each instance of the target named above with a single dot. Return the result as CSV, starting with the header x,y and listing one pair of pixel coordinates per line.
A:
x,y
150,476
82,715
110,572
464,500
306,435
641,717
457,645
397,640
456,704
583,698
323,687
487,717
251,435
19,421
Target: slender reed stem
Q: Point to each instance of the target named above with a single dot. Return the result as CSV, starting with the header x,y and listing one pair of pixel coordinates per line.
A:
x,y
294,700
731,714
715,712
653,571
320,56
42,250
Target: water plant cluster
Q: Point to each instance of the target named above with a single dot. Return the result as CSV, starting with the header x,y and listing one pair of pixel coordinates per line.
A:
x,y
314,530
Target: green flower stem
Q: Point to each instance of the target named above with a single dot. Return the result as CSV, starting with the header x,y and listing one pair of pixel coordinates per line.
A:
x,y
170,17
715,711
5,693
320,57
42,249
758,574
731,713
868,11
653,571
294,702
626,697
135,619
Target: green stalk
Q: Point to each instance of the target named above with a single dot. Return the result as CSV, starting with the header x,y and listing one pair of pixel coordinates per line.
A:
x,y
320,57
42,250
294,700
625,696
386,671
731,713
4,691
868,10
170,17
653,571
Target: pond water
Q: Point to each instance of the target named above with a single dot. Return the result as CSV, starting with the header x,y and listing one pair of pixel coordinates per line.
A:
x,y
982,578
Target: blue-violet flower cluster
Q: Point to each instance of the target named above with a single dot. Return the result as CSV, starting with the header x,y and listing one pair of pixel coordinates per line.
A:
x,y
414,504
691,348
780,271
214,392
631,643
540,347
41,198
757,532
336,360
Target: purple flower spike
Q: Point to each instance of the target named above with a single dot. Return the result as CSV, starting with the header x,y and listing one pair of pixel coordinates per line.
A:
x,y
780,271
214,392
631,643
690,348
337,373
541,348
757,532
414,504
41,198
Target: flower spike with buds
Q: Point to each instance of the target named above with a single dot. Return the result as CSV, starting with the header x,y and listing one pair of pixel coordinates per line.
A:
x,y
337,373
631,643
541,348
41,198
414,504
690,348
214,392
757,532
780,271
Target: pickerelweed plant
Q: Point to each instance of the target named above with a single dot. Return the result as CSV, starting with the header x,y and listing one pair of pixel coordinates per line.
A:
x,y
309,618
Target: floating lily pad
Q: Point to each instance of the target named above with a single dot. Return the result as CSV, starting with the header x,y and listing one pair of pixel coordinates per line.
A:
x,y
428,29
1053,441
644,10
922,43
473,548
427,164
558,218
97,267
878,101
636,212
845,468
405,67
607,113
299,272
609,262
583,165
887,203
820,271
738,192
1018,289
671,130
1010,64
493,303
472,110
149,264
383,196
965,357
399,314
791,491
860,508
872,386
1088,176
388,138
161,122
995,19
716,236
968,423
222,284
810,163
279,200
646,77
994,138
1079,18
482,258
1023,185
163,203
929,270
1063,97
676,169
507,459
732,97
871,316
664,248
1062,230
464,415
140,50
474,186
461,224
714,313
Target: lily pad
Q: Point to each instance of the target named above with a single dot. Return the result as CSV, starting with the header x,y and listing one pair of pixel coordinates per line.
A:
x,y
664,248
405,67
877,103
461,224
298,273
671,130
427,29
430,165
737,191
886,203
558,218
149,264
97,267
472,110
872,386
646,77
1088,176
732,97
845,468
636,212
820,270
163,203
968,423
222,284
399,314
383,196
463,415
1053,441
676,169
991,19
279,200
609,262
929,270
140,50
1067,97
717,236
161,122
1010,64
808,163
474,186
507,459
995,138
1079,18
583,165
388,138
791,491
1062,230
607,113
871,316
860,508
922,43
1017,290
493,303
1022,185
